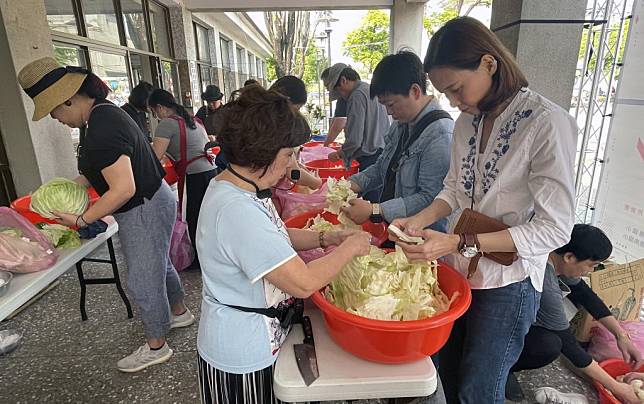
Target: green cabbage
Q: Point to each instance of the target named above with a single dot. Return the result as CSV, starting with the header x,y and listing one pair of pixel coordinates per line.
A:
x,y
388,287
60,236
11,231
59,194
338,195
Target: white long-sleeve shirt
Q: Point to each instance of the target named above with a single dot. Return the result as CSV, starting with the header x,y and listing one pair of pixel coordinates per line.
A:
x,y
526,171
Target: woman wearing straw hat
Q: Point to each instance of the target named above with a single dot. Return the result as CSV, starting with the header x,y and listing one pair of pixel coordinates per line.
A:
x,y
116,159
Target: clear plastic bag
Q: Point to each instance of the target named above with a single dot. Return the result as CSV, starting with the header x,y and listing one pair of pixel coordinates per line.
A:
x,y
31,252
291,203
9,340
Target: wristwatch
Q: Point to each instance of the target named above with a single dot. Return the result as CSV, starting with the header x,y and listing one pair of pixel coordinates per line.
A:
x,y
469,246
376,216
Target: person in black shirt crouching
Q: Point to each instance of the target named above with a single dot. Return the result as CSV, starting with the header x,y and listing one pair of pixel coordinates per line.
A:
x,y
117,160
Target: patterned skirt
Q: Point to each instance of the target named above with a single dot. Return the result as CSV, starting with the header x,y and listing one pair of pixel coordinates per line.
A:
x,y
219,387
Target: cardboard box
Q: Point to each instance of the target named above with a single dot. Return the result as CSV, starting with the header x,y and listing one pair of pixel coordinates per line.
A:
x,y
621,287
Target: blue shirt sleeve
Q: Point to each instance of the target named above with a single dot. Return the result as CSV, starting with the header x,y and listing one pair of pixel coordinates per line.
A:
x,y
253,241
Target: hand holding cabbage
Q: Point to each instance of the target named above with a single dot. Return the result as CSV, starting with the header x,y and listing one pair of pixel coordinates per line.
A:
x,y
59,195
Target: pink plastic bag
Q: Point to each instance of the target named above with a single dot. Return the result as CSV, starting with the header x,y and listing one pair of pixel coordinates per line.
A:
x,y
315,153
181,252
21,256
289,203
604,346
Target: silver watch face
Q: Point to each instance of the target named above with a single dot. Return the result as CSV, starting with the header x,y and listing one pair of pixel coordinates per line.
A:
x,y
469,251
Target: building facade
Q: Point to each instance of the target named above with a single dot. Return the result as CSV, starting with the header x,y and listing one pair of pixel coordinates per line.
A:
x,y
123,42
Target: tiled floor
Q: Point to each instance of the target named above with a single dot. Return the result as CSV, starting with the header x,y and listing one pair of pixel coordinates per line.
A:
x,y
65,360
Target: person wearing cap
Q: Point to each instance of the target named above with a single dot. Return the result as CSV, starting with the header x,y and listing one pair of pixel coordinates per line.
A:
x,y
339,120
207,114
116,159
367,120
137,106
410,171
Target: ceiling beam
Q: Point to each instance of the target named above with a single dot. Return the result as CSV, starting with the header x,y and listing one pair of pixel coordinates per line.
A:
x,y
274,5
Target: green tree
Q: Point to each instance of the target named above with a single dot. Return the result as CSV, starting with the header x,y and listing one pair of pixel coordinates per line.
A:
x,y
613,33
290,34
311,67
450,9
369,43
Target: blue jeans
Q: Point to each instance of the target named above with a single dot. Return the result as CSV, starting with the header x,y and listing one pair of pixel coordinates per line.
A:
x,y
486,342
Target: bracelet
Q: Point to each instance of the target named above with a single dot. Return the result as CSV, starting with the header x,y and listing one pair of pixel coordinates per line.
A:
x,y
84,223
321,239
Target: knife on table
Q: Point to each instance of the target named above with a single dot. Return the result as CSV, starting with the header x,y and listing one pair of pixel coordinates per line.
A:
x,y
307,361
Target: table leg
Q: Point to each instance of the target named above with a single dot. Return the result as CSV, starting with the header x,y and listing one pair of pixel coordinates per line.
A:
x,y
83,287
117,279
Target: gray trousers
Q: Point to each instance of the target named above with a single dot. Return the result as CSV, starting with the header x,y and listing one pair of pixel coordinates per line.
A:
x,y
152,281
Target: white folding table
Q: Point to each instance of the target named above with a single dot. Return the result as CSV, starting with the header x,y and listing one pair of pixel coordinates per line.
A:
x,y
344,376
23,287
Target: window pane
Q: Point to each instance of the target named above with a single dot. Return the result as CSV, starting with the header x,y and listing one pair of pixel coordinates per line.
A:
x,y
170,77
241,60
113,70
159,29
206,78
141,68
134,24
60,16
225,56
251,64
69,55
100,19
202,43
259,68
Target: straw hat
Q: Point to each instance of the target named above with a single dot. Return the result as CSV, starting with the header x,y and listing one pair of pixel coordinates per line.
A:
x,y
49,84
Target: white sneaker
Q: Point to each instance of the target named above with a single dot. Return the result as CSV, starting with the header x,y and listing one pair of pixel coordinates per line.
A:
x,y
548,395
144,357
182,320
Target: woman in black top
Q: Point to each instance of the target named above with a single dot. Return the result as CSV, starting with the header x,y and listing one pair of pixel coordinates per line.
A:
x,y
137,106
116,159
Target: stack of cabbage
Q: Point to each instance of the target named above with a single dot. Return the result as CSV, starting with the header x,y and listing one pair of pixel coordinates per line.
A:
x,y
61,195
388,287
60,236
338,196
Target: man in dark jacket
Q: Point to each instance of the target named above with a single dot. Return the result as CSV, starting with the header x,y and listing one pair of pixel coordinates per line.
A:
x,y
207,114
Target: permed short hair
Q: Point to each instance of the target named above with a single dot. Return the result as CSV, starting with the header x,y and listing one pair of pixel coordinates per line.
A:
x,y
253,128
396,74
587,243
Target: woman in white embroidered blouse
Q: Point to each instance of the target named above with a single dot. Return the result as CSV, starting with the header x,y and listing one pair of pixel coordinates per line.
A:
x,y
512,160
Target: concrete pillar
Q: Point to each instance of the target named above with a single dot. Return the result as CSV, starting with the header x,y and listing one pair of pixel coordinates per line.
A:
x,y
406,26
37,151
183,39
544,43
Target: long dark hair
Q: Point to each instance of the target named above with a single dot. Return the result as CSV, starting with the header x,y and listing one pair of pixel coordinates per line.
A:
x,y
162,97
461,43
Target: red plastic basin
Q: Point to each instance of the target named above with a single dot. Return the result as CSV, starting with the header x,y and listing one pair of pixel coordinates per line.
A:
x,y
614,367
215,150
397,341
328,168
171,176
377,230
333,145
21,205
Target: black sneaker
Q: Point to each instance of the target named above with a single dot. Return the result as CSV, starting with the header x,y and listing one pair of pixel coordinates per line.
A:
x,y
513,389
